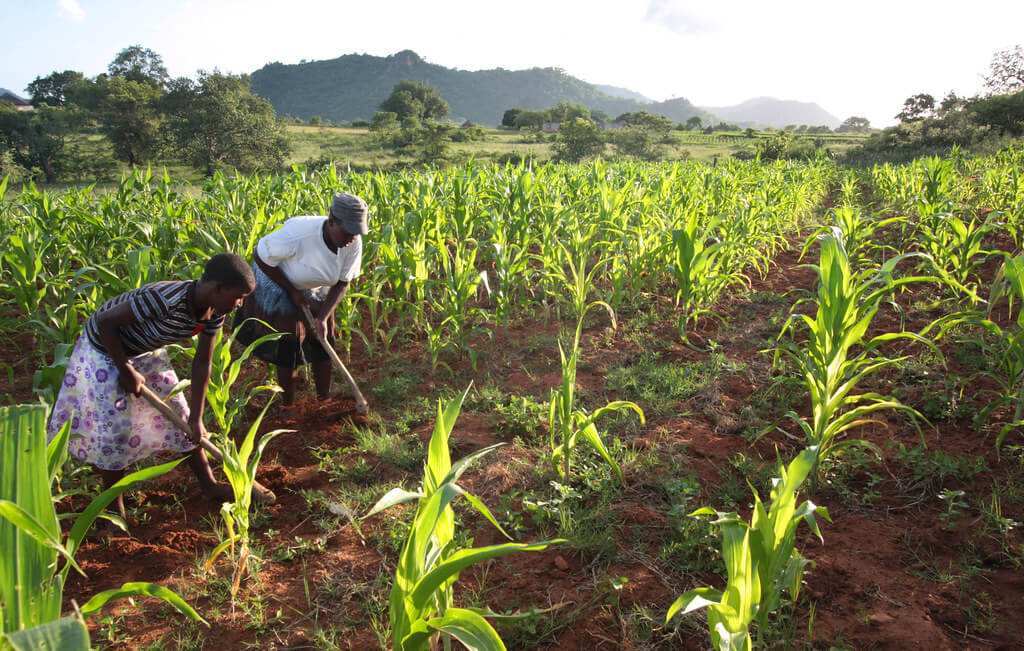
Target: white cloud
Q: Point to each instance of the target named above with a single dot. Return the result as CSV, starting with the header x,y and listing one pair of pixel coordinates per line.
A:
x,y
676,18
70,10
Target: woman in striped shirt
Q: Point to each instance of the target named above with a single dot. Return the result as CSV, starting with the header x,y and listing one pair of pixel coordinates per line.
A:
x,y
122,348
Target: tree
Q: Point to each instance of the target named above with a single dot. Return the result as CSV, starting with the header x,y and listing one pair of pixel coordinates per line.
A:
x,y
567,112
384,126
141,65
130,117
54,89
917,107
1005,113
219,123
643,135
694,123
530,119
37,139
600,117
578,139
1006,72
854,124
950,104
416,100
508,119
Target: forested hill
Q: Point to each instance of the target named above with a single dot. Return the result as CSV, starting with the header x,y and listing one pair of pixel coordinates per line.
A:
x,y
351,87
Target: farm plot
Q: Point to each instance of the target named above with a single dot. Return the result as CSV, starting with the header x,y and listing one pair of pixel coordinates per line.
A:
x,y
751,312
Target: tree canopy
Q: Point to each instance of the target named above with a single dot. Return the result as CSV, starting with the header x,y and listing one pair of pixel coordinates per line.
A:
x,y
411,99
1006,72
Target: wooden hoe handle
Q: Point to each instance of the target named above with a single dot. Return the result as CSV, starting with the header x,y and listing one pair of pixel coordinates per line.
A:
x,y
262,493
361,405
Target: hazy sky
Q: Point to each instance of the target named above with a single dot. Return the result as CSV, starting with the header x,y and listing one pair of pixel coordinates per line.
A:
x,y
859,58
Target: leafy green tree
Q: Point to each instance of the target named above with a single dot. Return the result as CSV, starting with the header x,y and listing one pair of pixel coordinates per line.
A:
x,y
578,139
1006,73
141,65
416,100
917,107
530,119
433,140
55,89
643,135
694,123
854,124
219,123
508,119
567,112
600,117
384,126
1004,113
130,117
37,139
950,104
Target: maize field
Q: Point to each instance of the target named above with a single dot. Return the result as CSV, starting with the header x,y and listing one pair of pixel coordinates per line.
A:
x,y
748,405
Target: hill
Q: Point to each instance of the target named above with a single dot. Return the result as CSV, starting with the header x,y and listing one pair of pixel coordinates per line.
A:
x,y
768,111
352,86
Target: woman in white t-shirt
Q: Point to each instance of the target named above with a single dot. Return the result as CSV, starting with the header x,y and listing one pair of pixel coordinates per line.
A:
x,y
310,261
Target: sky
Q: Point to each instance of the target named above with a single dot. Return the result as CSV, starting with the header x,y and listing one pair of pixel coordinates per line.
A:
x,y
859,58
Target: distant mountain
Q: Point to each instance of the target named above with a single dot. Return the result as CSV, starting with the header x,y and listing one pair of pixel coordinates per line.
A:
x,y
768,111
4,91
624,93
352,86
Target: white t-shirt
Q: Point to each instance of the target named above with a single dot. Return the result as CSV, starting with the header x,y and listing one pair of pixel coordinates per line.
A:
x,y
298,249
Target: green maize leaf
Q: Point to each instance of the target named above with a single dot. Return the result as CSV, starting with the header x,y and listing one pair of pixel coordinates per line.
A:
x,y
25,522
483,510
460,466
462,559
64,634
393,497
466,626
101,501
28,591
693,600
732,641
139,589
57,451
590,434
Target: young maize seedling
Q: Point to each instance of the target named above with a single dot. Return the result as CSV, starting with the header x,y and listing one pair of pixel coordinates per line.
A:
x,y
422,600
240,464
762,562
566,422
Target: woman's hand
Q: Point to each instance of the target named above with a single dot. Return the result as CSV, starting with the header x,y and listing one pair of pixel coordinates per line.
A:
x,y
130,380
320,329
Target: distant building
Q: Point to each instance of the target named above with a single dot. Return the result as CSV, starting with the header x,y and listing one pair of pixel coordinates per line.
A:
x,y
17,102
550,127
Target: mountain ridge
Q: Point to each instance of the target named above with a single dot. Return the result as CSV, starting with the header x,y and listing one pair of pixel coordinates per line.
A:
x,y
352,86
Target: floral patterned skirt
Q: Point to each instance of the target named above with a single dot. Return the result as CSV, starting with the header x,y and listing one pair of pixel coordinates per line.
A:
x,y
111,429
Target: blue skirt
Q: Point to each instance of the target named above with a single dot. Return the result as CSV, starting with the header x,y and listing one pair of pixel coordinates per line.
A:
x,y
269,303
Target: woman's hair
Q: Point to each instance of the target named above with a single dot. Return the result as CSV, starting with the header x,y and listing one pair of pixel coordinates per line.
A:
x,y
230,270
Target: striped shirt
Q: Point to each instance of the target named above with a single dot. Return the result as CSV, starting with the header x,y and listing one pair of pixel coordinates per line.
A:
x,y
165,315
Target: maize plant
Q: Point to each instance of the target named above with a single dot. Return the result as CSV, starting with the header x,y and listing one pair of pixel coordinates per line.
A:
x,y
836,356
240,464
1001,346
567,422
761,560
422,600
31,585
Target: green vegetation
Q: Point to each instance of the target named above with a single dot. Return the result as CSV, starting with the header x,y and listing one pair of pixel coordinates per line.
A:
x,y
896,280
